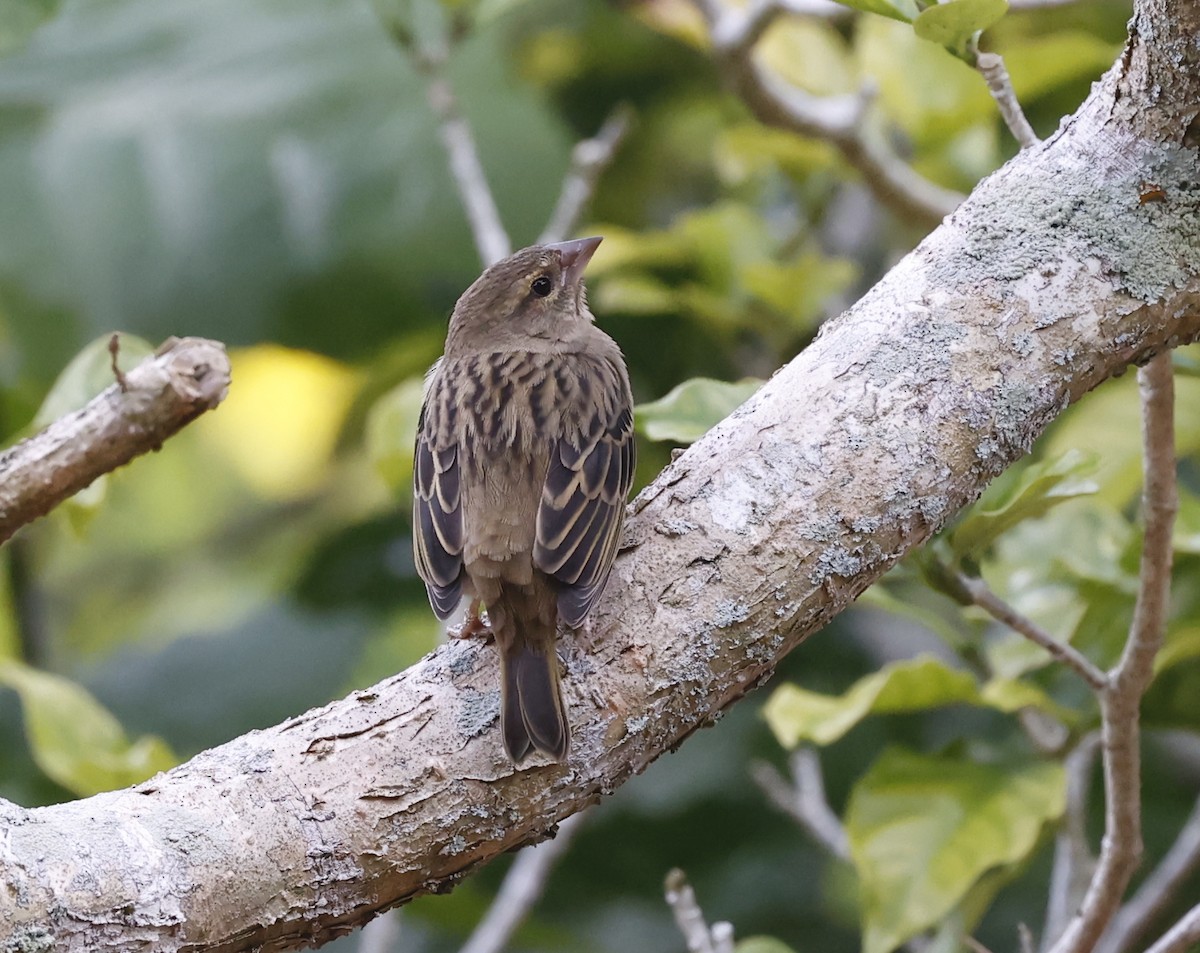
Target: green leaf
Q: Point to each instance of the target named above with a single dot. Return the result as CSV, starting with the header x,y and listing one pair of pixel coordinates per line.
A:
x,y
879,596
19,18
1039,65
952,23
762,944
1108,423
924,829
1186,538
1029,493
75,740
903,10
391,432
692,408
796,714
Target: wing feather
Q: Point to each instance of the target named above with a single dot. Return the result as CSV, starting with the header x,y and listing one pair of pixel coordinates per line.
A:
x,y
437,512
582,508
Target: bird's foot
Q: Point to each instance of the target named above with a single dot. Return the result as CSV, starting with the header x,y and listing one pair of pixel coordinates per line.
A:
x,y
474,626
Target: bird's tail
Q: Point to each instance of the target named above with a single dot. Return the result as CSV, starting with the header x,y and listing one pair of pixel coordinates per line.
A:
x,y
531,707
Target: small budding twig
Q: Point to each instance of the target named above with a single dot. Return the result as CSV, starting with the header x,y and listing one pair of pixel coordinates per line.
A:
x,y
700,938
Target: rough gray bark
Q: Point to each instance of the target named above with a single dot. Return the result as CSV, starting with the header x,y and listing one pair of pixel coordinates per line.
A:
x,y
1057,273
164,393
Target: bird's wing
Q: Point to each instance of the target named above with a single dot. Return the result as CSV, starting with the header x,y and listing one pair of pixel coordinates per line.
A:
x,y
582,507
437,512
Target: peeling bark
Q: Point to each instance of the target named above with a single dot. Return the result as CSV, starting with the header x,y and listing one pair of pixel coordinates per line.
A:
x,y
1052,277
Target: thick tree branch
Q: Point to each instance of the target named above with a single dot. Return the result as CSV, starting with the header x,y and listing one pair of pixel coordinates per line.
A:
x,y
156,400
1049,279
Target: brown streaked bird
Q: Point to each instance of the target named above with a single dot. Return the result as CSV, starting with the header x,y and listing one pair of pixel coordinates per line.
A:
x,y
524,460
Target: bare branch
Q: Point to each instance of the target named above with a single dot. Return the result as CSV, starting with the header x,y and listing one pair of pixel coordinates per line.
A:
x,y
981,595
589,159
995,74
804,799
1158,890
1121,851
690,918
1073,860
835,119
160,396
522,887
487,228
1182,937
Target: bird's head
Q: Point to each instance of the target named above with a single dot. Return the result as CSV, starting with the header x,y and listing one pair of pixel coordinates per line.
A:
x,y
534,298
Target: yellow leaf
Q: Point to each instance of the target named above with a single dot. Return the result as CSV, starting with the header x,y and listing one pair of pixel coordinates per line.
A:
x,y
281,420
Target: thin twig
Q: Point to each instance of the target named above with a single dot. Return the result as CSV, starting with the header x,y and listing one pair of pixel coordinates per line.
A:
x,y
804,799
1158,890
834,119
522,888
1073,859
114,349
491,238
162,394
974,945
995,74
1182,937
1121,850
688,915
979,593
589,159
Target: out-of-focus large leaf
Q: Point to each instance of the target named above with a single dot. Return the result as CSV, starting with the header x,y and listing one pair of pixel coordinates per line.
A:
x,y
249,168
808,53
951,23
1107,423
1186,537
797,715
923,829
1040,64
692,408
75,740
1029,493
19,18
762,944
903,10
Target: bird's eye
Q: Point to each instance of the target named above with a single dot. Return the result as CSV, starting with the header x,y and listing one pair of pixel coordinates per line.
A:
x,y
542,285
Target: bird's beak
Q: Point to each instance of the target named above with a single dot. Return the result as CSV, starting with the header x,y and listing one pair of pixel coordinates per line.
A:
x,y
575,256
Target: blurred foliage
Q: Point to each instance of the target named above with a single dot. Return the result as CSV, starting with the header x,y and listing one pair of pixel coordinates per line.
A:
x,y
267,172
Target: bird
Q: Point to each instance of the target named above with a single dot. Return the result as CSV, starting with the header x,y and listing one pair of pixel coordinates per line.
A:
x,y
523,463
